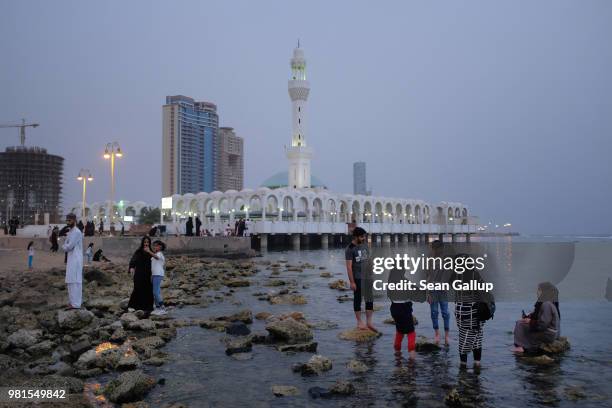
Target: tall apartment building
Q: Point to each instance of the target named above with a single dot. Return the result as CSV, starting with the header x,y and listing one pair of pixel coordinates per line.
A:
x,y
230,161
190,131
359,178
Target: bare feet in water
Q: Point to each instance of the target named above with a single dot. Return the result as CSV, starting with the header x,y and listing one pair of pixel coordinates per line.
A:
x,y
437,338
362,326
517,349
371,327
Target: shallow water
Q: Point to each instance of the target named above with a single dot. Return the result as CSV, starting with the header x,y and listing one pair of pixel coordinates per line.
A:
x,y
200,374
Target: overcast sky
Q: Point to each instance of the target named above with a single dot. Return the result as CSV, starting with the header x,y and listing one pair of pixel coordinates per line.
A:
x,y
504,106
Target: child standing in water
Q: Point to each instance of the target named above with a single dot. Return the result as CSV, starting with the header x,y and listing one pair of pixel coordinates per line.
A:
x,y
30,254
157,275
401,312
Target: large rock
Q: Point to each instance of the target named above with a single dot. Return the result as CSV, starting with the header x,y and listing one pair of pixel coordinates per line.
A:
x,y
309,347
129,387
338,285
142,325
359,335
147,344
315,366
74,319
342,387
24,338
91,275
237,329
285,390
290,331
556,347
44,347
238,345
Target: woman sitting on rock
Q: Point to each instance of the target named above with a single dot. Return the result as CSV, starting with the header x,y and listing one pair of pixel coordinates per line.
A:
x,y
543,324
140,267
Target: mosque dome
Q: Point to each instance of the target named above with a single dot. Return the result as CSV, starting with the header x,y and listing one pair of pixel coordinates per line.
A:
x,y
281,179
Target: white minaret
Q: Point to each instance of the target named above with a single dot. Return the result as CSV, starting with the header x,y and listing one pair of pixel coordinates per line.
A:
x,y
299,154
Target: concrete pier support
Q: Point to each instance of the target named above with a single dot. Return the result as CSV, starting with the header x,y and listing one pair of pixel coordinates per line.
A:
x,y
441,237
263,241
305,240
295,240
453,237
426,238
386,238
324,241
468,238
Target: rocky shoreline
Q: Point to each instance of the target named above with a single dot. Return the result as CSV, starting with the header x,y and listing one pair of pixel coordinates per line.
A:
x,y
42,345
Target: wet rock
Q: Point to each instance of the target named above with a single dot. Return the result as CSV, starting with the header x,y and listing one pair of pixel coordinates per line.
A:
x,y
129,386
344,298
237,329
244,316
156,361
242,356
127,318
285,390
139,404
123,305
452,399
339,284
539,360
236,283
315,366
293,299
128,361
309,347
275,282
92,372
263,315
342,387
290,331
556,347
218,325
325,274
423,345
323,325
166,334
238,345
143,325
389,321
147,344
119,335
356,367
7,362
74,319
359,335
24,338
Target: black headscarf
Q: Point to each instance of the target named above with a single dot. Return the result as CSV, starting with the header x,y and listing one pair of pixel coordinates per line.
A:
x,y
548,293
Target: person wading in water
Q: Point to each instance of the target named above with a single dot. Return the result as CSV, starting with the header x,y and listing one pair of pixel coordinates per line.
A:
x,y
357,256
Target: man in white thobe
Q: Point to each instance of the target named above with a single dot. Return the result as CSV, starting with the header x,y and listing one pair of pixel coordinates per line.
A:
x,y
73,246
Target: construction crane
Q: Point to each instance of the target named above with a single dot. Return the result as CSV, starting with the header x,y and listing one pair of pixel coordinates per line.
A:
x,y
21,127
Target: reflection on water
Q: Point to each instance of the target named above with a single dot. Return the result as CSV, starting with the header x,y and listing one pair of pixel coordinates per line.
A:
x,y
200,374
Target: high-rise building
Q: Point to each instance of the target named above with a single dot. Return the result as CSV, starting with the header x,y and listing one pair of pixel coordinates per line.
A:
x,y
189,146
359,178
299,154
30,185
230,161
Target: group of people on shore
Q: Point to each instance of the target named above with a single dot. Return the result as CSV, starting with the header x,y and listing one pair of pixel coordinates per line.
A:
x,y
146,266
471,311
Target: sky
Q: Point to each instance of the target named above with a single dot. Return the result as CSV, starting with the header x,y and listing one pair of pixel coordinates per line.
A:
x,y
505,106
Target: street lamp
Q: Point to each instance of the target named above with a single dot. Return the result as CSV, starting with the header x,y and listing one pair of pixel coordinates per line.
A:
x,y
84,176
111,151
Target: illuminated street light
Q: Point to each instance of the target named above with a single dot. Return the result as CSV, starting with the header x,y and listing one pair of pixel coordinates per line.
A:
x,y
111,151
84,176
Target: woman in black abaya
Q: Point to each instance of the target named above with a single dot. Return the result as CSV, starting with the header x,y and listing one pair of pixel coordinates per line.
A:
x,y
140,266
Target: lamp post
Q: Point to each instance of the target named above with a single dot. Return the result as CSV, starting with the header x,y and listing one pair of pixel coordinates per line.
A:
x,y
84,176
111,151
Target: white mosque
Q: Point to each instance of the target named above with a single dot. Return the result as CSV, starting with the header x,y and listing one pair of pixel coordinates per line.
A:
x,y
296,203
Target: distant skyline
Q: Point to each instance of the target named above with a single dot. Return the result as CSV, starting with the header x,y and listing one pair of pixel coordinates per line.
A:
x,y
503,106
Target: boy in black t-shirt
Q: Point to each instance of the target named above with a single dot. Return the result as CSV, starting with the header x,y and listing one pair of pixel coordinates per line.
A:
x,y
356,256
